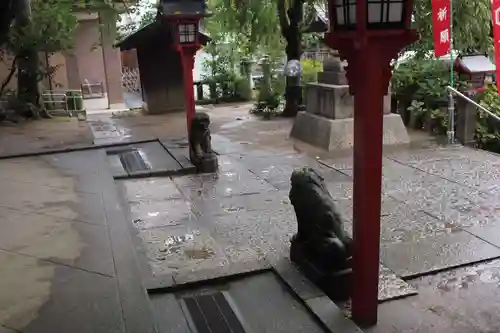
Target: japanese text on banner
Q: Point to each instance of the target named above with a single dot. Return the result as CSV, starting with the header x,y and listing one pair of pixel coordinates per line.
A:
x,y
441,19
495,15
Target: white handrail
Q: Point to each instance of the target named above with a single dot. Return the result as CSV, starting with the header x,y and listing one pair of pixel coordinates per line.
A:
x,y
474,103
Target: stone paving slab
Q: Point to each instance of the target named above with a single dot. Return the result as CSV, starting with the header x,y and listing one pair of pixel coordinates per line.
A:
x,y
457,205
168,314
400,222
38,297
157,188
436,253
232,179
223,146
32,137
59,264
276,201
391,287
482,175
76,244
74,163
277,169
255,235
185,247
154,214
490,233
53,201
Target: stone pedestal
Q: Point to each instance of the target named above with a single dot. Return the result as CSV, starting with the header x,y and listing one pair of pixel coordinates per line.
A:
x,y
328,121
336,134
336,285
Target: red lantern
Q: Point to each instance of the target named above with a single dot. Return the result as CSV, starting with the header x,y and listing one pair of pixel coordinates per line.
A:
x,y
183,17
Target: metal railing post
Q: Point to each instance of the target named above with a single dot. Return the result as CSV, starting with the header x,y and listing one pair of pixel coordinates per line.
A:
x,y
451,119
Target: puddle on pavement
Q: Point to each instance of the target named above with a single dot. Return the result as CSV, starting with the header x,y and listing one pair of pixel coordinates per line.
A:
x,y
177,248
177,245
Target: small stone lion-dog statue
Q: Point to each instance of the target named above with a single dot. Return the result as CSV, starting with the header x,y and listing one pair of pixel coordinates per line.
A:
x,y
321,242
200,144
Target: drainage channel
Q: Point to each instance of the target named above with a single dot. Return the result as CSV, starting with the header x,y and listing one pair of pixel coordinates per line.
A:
x,y
130,160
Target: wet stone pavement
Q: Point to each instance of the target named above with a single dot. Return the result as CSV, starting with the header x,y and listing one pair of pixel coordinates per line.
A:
x,y
438,212
70,233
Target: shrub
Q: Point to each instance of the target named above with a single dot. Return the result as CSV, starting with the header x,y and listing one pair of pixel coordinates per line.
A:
x,y
310,70
272,105
420,87
488,128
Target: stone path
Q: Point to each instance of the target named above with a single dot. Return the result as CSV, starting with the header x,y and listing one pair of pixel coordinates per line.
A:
x,y
42,135
436,214
64,252
54,248
69,240
449,200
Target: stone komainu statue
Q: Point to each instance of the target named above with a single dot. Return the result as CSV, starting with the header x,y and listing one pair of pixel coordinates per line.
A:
x,y
200,144
321,240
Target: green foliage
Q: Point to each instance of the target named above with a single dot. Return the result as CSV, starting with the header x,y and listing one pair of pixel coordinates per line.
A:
x,y
471,27
272,105
423,80
249,26
487,128
142,14
310,70
270,101
422,84
222,76
49,29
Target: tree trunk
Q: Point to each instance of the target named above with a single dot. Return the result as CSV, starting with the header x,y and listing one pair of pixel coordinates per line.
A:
x,y
27,76
292,32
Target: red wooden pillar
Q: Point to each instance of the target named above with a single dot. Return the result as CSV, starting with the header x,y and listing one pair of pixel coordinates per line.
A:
x,y
367,177
368,40
369,73
187,54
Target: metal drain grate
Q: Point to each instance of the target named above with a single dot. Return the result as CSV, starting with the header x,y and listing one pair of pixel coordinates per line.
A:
x,y
133,161
213,314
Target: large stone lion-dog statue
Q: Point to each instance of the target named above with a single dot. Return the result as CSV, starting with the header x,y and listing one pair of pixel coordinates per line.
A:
x,y
321,240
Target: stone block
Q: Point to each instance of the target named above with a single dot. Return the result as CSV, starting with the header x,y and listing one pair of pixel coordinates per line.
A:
x,y
337,134
334,101
330,101
332,78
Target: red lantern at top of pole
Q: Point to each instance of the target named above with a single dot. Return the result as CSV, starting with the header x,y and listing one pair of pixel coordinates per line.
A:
x,y
355,24
369,34
183,17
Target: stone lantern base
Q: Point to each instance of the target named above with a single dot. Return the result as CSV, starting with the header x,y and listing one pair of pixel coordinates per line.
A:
x,y
328,121
337,134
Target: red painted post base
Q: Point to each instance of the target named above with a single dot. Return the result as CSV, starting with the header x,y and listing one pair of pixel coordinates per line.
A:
x,y
187,54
